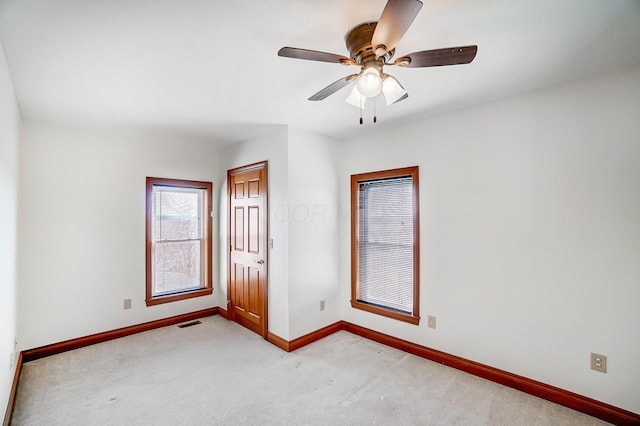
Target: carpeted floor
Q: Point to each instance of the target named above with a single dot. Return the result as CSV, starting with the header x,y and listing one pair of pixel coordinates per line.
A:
x,y
218,373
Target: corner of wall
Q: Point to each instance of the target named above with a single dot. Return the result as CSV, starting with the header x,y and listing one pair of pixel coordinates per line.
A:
x,y
9,162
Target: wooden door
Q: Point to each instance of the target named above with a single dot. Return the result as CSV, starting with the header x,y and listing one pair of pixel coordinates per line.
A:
x,y
247,269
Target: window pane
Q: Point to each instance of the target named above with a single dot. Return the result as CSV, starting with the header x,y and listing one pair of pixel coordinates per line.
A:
x,y
176,213
177,266
386,276
177,233
385,238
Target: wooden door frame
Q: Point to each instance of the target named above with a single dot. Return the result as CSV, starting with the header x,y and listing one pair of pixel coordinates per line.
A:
x,y
264,165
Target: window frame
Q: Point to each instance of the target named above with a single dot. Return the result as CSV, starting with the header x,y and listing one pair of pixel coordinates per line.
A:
x,y
207,287
356,179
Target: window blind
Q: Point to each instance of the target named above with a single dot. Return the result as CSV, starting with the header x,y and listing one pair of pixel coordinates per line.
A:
x,y
178,238
385,243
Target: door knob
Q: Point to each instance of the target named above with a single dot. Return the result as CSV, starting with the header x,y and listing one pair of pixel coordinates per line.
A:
x,y
260,262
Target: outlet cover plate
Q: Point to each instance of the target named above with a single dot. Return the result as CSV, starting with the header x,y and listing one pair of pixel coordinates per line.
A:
x,y
431,321
599,362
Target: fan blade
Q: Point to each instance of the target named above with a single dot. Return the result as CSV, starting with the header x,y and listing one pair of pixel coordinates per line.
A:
x,y
313,55
333,87
396,18
440,57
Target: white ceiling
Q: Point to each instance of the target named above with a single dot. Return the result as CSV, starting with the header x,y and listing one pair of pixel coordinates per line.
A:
x,y
210,67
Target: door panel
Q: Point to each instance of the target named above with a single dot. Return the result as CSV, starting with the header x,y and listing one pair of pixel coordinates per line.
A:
x,y
254,230
238,289
247,284
238,236
254,297
254,189
239,191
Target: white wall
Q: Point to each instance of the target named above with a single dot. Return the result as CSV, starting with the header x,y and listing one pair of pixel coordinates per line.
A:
x,y
9,135
313,232
272,148
303,194
82,228
530,233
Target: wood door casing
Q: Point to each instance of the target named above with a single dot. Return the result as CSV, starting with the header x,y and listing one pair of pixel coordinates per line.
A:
x,y
247,269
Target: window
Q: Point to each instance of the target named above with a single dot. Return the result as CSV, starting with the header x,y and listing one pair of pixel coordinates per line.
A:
x,y
385,243
178,240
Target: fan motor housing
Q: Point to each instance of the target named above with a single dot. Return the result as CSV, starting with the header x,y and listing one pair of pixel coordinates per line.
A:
x,y
358,41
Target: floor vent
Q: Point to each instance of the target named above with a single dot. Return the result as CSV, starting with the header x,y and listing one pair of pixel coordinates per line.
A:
x,y
189,324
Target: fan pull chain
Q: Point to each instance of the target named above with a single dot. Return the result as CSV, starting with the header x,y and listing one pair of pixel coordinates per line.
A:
x,y
375,119
361,121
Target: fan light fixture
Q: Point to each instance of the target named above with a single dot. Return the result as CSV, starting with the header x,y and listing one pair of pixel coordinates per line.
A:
x,y
370,82
355,98
390,88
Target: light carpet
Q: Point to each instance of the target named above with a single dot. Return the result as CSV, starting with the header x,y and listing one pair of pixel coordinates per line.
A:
x,y
218,373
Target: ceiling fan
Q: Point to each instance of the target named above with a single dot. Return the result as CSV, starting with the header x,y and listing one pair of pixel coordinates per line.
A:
x,y
371,46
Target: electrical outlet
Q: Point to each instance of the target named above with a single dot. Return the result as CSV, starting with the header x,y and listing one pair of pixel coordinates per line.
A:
x,y
431,321
599,362
322,305
127,303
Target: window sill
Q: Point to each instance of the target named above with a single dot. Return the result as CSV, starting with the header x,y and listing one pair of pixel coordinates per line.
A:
x,y
158,300
389,313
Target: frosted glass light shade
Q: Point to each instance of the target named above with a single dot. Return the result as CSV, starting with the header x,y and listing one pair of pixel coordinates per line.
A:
x,y
392,89
355,98
369,83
